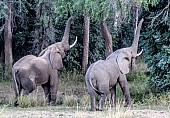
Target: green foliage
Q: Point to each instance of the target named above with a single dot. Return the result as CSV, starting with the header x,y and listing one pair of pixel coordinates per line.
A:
x,y
3,10
161,99
70,101
92,8
1,71
156,42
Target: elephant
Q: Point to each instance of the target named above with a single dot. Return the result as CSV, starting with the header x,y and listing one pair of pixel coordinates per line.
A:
x,y
42,70
103,75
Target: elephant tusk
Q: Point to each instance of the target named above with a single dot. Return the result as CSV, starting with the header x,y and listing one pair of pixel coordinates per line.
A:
x,y
74,43
139,53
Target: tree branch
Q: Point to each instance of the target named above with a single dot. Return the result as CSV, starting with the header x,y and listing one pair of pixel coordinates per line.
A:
x,y
154,18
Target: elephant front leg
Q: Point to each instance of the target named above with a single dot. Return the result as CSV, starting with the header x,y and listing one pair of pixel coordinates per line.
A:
x,y
113,96
53,92
53,86
124,86
46,89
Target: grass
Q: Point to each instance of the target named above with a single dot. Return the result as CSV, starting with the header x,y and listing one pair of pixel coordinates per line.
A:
x,y
73,98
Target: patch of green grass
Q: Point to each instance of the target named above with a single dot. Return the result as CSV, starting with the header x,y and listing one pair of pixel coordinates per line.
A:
x,y
71,101
72,92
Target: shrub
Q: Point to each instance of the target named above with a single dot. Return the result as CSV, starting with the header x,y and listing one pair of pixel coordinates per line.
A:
x,y
156,43
70,101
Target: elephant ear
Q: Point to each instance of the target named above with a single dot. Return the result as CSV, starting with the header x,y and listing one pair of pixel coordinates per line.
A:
x,y
56,59
123,62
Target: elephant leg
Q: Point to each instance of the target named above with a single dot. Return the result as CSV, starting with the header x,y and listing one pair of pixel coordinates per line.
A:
x,y
93,101
53,93
53,87
27,85
124,86
46,88
101,101
17,95
113,96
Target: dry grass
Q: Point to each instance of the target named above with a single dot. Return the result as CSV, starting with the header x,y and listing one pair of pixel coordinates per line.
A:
x,y
73,101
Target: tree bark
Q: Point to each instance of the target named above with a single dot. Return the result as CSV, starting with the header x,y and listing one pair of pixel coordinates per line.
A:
x,y
108,38
2,59
86,43
8,41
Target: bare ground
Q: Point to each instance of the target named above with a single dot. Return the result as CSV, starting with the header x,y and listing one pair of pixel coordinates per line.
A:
x,y
67,112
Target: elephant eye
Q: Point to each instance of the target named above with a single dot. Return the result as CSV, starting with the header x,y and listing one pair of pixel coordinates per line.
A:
x,y
127,58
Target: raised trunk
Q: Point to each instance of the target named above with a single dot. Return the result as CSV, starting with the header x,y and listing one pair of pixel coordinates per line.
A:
x,y
66,34
137,35
8,42
85,43
134,14
108,38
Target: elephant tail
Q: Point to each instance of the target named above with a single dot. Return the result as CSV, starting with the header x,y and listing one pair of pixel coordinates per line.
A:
x,y
90,76
14,72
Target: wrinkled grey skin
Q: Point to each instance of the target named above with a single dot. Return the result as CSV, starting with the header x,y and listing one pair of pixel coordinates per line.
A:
x,y
103,75
31,71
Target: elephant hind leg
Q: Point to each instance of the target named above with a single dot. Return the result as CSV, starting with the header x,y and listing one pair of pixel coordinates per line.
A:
x,y
104,90
16,97
17,94
27,85
101,101
93,101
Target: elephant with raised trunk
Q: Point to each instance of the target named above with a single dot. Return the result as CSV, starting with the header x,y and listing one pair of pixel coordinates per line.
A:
x,y
103,75
31,71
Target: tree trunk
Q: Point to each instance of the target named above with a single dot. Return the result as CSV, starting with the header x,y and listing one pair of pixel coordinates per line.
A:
x,y
2,59
8,42
108,38
85,43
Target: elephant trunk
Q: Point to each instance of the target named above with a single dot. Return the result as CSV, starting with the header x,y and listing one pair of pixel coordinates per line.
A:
x,y
66,34
136,37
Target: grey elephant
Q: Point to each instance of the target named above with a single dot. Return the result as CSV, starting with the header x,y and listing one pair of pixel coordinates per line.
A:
x,y
31,71
103,75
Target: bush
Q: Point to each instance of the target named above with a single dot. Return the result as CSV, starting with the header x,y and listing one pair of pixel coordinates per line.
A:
x,y
70,101
1,71
156,43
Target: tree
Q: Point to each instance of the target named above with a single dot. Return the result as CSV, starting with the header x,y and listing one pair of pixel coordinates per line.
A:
x,y
156,42
85,43
108,38
91,9
8,40
3,9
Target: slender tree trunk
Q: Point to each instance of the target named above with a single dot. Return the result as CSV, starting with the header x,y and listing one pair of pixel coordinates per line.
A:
x,y
86,43
2,59
108,38
8,42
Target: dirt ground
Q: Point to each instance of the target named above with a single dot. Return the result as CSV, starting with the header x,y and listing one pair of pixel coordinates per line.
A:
x,y
63,112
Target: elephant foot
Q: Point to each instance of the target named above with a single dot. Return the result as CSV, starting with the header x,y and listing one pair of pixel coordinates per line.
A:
x,y
92,109
127,105
16,104
113,105
52,104
99,109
